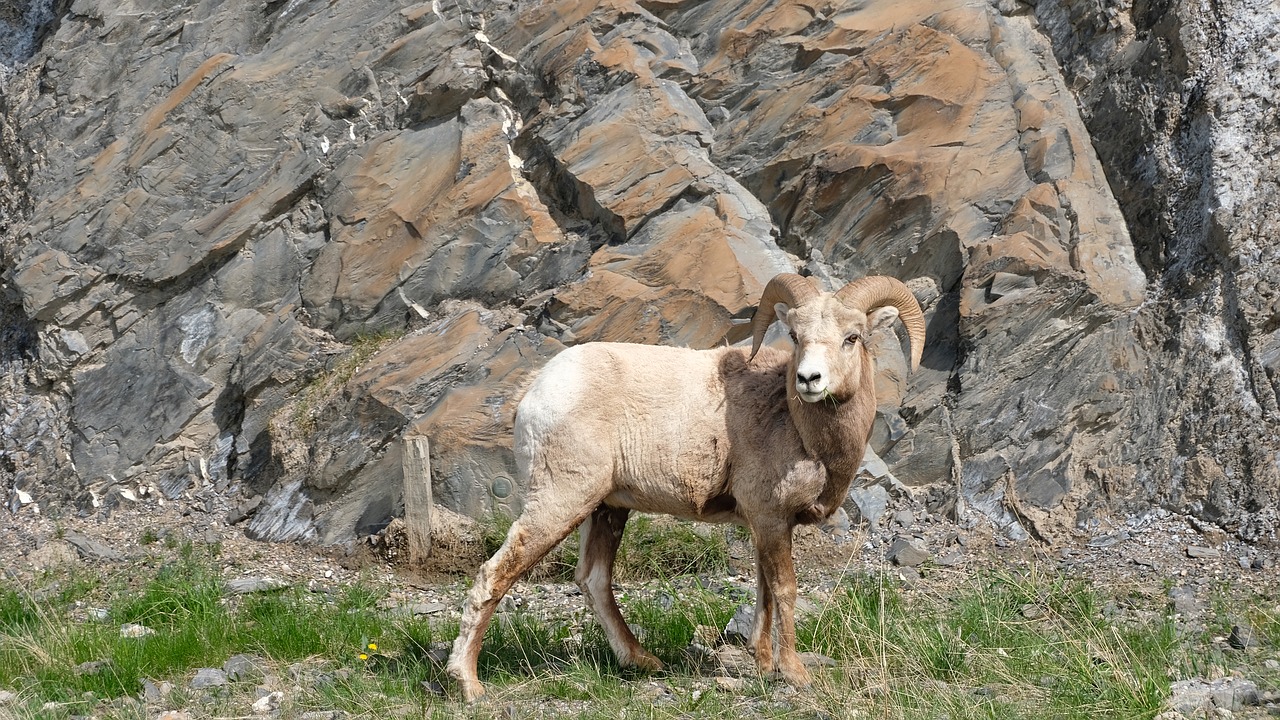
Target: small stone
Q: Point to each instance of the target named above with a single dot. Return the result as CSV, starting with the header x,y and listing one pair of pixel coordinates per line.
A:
x,y
134,630
173,715
1144,561
245,586
1261,563
1184,601
738,630
837,525
733,660
268,704
207,678
154,693
433,688
243,667
1245,562
730,684
816,660
906,553
706,635
905,518
1032,611
1271,664
92,667
1242,637
1197,551
909,576
426,608
242,511
7,697
1106,541
91,549
951,559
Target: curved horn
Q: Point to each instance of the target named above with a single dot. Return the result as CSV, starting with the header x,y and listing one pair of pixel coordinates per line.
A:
x,y
869,293
786,288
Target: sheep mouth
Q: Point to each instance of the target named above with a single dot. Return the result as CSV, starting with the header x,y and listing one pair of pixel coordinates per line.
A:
x,y
811,397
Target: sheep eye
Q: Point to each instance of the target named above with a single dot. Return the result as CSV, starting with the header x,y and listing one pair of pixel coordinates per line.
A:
x,y
792,333
852,339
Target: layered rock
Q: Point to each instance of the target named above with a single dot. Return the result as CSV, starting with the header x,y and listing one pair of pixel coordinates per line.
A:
x,y
255,246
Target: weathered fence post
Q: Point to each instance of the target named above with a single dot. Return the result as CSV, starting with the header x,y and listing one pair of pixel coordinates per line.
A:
x,y
416,465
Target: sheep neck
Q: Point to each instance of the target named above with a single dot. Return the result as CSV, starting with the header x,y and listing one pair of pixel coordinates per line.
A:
x,y
836,433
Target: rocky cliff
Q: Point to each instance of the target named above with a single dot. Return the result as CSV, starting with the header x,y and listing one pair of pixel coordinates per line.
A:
x,y
249,247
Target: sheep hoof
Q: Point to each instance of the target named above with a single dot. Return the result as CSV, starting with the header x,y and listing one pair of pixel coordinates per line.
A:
x,y
645,661
471,690
796,675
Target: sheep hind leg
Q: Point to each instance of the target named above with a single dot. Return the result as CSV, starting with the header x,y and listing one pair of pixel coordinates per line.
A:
x,y
778,569
601,535
528,541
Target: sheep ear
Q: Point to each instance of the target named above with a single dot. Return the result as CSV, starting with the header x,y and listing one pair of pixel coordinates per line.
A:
x,y
882,316
781,310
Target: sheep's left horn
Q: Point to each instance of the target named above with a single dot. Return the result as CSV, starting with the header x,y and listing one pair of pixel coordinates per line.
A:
x,y
786,288
869,293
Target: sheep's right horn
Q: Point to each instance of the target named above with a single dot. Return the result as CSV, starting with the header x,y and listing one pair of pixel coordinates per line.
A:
x,y
869,293
786,288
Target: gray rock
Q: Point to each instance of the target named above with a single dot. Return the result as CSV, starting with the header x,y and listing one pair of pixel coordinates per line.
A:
x,y
7,697
816,660
93,667
738,629
426,608
1199,696
242,511
268,704
869,504
207,678
1196,551
248,585
906,552
91,549
156,693
837,525
180,277
240,668
1185,602
1242,637
134,630
733,661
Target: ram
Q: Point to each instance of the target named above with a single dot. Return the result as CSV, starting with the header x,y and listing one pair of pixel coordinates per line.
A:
x,y
766,439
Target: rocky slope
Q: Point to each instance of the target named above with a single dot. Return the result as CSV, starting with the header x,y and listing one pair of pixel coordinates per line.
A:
x,y
249,247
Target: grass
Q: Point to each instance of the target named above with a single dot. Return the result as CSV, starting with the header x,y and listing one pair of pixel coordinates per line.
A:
x,y
1001,644
652,547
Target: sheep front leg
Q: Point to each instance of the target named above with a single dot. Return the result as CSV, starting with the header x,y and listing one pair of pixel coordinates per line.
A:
x,y
761,640
778,569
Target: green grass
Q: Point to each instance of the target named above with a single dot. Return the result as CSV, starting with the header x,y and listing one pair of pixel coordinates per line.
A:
x,y
976,652
652,547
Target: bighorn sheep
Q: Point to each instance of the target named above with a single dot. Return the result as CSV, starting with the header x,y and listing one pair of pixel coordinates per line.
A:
x,y
768,440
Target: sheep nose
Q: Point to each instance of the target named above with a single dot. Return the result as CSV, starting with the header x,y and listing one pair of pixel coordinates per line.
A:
x,y
811,379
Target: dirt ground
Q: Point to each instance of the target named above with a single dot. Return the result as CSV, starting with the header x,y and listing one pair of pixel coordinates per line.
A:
x,y
1161,561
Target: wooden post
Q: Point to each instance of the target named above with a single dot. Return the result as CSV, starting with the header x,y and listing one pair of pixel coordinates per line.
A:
x,y
416,464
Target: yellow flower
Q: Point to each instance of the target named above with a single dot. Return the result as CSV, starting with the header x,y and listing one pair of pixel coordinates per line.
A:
x,y
373,646
363,656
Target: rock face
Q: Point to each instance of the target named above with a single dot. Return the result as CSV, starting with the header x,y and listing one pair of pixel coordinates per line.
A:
x,y
249,247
